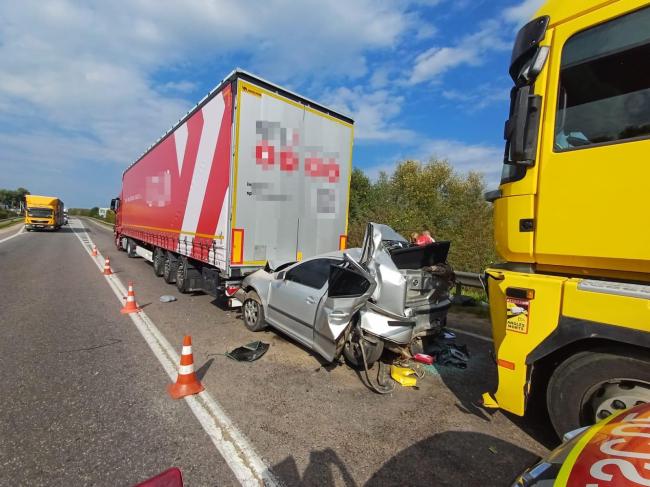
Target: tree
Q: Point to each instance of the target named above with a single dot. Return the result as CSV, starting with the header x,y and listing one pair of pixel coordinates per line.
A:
x,y
427,196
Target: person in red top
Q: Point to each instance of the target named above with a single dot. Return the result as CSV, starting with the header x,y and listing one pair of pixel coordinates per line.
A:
x,y
425,238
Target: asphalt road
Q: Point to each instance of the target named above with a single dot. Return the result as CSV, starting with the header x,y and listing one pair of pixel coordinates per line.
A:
x,y
83,400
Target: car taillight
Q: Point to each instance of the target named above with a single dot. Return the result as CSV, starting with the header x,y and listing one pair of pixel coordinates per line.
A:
x,y
231,290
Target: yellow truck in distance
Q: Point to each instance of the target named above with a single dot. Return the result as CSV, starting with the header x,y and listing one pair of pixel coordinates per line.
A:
x,y
43,212
570,307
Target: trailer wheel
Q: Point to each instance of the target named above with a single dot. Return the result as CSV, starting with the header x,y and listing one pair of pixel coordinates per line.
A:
x,y
181,275
130,248
253,312
590,386
169,269
158,261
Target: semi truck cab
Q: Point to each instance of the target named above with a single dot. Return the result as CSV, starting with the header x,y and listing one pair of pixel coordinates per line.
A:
x,y
570,304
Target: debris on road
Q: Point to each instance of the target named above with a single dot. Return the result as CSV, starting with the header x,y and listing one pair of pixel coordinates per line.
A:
x,y
423,358
249,352
167,298
404,376
454,355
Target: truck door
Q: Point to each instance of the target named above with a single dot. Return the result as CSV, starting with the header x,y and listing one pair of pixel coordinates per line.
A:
x,y
594,177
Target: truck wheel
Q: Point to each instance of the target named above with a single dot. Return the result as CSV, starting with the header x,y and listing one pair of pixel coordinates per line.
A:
x,y
181,275
169,269
253,312
130,248
158,261
590,386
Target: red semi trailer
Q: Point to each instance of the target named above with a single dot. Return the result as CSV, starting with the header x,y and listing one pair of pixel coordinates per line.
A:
x,y
254,174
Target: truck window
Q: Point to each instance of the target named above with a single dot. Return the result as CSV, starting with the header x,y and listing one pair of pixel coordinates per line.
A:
x,y
604,89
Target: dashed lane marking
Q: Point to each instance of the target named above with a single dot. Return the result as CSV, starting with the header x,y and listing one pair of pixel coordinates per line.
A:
x,y
245,463
19,232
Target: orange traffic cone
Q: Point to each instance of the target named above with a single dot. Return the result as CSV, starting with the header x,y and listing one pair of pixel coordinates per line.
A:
x,y
107,267
94,254
130,306
187,383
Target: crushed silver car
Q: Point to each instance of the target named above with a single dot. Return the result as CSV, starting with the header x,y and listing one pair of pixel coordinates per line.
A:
x,y
357,302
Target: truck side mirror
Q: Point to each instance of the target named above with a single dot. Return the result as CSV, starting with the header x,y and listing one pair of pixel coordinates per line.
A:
x,y
115,204
523,126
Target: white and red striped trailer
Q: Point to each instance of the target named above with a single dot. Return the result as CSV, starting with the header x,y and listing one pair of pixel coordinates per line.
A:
x,y
253,174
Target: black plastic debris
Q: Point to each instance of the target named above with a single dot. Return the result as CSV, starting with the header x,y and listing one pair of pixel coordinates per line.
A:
x,y
453,355
249,352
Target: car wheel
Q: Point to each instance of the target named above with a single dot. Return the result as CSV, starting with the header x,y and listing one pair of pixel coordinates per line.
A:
x,y
373,347
169,269
253,312
181,275
590,386
130,248
158,261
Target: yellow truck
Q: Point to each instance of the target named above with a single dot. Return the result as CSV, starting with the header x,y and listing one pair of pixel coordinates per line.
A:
x,y
43,212
570,307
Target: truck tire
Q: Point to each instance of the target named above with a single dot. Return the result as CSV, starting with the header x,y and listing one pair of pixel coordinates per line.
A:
x,y
169,269
590,386
158,261
130,248
181,276
253,312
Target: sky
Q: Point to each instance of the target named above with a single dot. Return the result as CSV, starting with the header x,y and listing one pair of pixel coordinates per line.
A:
x,y
86,87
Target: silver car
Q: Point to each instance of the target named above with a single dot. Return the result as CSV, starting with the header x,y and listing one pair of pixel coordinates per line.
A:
x,y
358,302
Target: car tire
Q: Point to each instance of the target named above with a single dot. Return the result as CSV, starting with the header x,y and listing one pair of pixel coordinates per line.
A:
x,y
253,312
158,261
589,385
169,269
374,349
130,248
181,275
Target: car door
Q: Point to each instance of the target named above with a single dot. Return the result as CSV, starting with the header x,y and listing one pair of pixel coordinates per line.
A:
x,y
349,287
294,296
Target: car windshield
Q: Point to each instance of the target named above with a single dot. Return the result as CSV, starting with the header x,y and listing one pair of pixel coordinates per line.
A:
x,y
39,212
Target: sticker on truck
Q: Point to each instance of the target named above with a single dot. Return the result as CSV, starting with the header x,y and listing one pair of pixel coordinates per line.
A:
x,y
517,315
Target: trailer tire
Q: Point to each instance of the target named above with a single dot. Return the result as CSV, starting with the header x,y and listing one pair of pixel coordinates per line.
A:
x,y
181,276
158,261
253,312
130,248
169,270
589,386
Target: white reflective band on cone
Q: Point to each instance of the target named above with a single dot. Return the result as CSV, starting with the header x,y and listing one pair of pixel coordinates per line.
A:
x,y
187,349
185,369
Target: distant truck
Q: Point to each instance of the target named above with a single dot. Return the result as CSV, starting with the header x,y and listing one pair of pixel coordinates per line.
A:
x,y
253,175
43,212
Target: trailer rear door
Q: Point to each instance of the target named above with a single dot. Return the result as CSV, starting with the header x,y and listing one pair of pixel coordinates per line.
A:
x,y
291,179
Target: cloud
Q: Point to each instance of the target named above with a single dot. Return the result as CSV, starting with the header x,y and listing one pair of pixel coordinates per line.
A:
x,y
373,112
435,61
99,82
523,12
478,98
462,156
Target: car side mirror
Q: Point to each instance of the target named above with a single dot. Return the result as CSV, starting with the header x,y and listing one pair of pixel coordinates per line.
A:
x,y
281,275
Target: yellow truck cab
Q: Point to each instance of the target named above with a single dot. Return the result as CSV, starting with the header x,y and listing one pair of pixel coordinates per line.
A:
x,y
43,212
570,307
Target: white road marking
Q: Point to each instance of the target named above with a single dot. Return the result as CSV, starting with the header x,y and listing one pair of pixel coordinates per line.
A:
x,y
469,333
19,232
246,464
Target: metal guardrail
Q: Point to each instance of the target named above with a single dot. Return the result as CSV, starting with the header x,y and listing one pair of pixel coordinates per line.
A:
x,y
7,220
469,279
